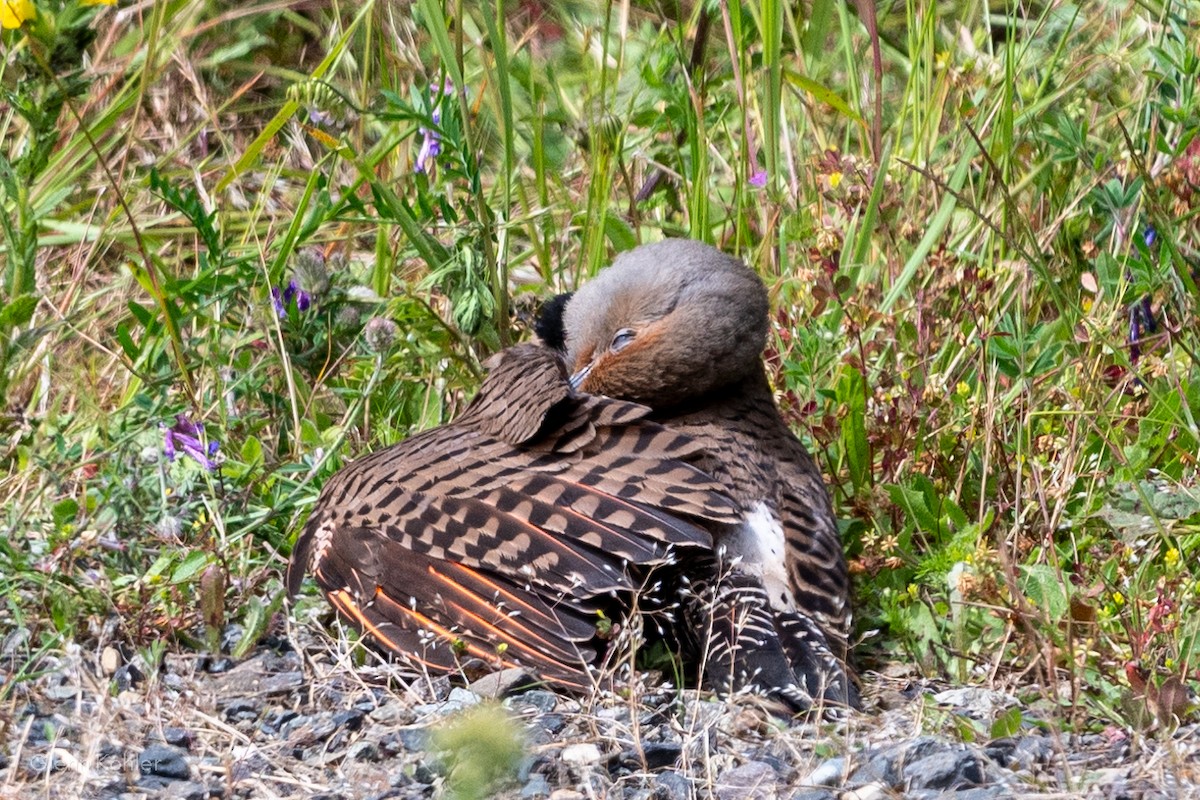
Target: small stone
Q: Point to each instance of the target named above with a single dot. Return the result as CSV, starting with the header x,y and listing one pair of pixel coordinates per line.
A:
x,y
178,737
552,723
975,702
391,713
164,761
949,769
110,659
871,791
501,683
364,750
671,785
220,665
415,740
654,755
540,699
983,793
185,790
753,780
1032,751
581,755
813,794
828,774
536,786
566,794
242,710
464,697
351,719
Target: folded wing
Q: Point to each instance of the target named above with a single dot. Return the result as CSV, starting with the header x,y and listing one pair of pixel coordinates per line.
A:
x,y
505,534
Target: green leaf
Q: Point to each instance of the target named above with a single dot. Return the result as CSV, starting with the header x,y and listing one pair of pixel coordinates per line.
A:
x,y
254,624
252,452
190,567
1045,588
822,94
64,511
853,436
913,503
18,311
1007,724
619,233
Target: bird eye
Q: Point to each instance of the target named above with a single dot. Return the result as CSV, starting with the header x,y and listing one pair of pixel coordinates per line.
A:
x,y
622,338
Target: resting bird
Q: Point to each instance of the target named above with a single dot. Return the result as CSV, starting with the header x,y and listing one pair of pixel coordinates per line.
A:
x,y
657,477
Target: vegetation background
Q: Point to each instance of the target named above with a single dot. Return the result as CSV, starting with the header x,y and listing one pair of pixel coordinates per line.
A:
x,y
244,243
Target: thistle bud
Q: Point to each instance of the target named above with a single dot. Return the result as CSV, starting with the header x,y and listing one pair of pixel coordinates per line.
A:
x,y
380,333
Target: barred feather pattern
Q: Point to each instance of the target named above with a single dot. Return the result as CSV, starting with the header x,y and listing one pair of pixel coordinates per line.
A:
x,y
504,535
792,640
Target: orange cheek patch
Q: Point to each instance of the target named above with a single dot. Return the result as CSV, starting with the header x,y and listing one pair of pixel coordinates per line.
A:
x,y
607,373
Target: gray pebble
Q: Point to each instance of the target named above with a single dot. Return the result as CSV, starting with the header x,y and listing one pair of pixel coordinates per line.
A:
x,y
949,769
751,781
828,774
671,785
164,761
536,786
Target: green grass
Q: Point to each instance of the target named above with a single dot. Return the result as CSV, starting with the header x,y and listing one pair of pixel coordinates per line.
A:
x,y
954,302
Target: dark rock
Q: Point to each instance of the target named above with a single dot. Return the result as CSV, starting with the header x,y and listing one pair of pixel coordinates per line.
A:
x,y
1032,751
364,750
221,665
415,740
178,737
127,677
671,785
351,719
242,710
886,764
551,723
949,769
540,699
1001,750
655,755
230,637
164,761
424,773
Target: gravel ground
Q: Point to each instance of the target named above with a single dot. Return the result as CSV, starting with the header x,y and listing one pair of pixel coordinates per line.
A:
x,y
284,723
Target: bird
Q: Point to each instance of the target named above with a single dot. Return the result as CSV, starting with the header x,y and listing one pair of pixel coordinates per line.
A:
x,y
629,467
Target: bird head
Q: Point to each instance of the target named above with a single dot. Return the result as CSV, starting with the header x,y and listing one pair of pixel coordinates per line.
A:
x,y
667,322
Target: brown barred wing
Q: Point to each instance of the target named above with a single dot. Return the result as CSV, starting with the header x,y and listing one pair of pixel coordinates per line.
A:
x,y
458,543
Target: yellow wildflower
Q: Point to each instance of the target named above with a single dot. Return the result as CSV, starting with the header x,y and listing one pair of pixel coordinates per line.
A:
x,y
1118,599
835,178
98,2
1171,557
14,12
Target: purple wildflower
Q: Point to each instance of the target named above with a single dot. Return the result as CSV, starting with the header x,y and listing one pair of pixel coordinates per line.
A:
x,y
431,147
188,436
1150,235
281,298
759,178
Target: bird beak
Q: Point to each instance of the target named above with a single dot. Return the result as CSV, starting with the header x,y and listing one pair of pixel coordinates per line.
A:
x,y
579,377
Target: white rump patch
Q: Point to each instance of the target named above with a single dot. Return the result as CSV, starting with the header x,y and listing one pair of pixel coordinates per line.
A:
x,y
760,544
